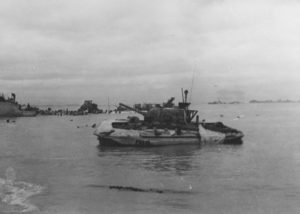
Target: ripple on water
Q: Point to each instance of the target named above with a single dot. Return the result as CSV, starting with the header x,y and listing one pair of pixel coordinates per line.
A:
x,y
14,195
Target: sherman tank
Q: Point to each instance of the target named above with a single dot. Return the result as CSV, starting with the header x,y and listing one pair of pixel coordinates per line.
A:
x,y
164,124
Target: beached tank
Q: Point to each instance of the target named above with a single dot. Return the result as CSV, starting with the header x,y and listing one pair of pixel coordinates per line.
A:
x,y
89,107
164,125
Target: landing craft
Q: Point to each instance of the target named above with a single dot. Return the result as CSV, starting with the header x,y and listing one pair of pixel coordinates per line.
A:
x,y
9,107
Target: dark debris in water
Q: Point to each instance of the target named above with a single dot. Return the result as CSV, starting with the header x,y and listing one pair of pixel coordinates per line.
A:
x,y
86,125
135,189
138,189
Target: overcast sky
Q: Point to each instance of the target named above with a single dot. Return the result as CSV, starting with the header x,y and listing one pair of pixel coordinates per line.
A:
x,y
65,51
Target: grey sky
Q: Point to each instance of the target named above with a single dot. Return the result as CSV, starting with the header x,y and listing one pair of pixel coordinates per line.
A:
x,y
65,51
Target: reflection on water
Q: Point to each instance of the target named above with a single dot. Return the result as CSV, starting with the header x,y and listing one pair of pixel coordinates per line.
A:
x,y
177,160
171,151
160,159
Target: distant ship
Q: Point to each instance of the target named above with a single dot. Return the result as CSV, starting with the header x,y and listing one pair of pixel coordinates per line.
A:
x,y
9,107
216,102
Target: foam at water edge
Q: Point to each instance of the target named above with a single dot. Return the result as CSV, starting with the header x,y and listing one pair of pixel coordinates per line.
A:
x,y
15,194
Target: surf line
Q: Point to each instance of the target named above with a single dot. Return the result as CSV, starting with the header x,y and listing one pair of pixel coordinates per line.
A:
x,y
137,189
15,194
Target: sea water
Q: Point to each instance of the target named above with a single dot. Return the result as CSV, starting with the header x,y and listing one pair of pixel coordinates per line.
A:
x,y
53,164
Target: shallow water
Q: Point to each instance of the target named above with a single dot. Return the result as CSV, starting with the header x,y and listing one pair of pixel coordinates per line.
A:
x,y
51,164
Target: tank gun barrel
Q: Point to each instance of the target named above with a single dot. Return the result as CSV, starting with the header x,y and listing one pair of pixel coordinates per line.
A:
x,y
133,109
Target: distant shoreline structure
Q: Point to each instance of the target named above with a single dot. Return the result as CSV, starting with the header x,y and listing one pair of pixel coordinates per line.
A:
x,y
221,102
275,101
254,101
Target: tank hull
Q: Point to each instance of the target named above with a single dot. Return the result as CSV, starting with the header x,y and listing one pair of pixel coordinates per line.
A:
x,y
111,133
232,136
147,141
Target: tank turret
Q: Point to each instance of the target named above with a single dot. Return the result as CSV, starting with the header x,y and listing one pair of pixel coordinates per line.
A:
x,y
169,113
